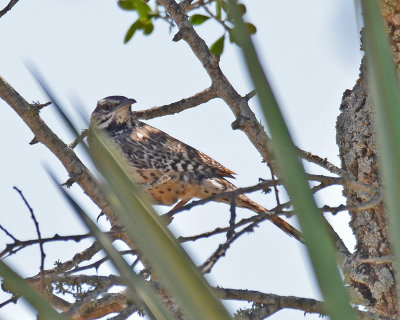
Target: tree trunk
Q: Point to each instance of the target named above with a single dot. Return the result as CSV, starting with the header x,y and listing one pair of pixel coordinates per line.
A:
x,y
373,282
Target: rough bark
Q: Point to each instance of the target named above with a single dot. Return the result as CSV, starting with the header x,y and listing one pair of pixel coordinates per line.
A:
x,y
374,283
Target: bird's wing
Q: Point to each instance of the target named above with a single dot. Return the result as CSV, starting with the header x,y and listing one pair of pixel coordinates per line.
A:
x,y
149,148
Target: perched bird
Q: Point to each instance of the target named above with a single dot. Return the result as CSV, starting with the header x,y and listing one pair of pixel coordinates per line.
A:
x,y
168,169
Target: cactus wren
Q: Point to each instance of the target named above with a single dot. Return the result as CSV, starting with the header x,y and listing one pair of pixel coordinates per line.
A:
x,y
168,169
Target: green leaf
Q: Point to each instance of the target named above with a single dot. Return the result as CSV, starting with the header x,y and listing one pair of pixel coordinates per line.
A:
x,y
251,28
131,31
317,238
218,46
198,19
142,9
127,4
148,28
242,8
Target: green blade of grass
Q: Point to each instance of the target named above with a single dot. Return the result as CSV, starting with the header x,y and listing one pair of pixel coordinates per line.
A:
x,y
384,86
319,243
18,285
170,262
141,292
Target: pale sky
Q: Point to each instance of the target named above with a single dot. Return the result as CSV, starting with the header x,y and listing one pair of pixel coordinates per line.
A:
x,y
310,50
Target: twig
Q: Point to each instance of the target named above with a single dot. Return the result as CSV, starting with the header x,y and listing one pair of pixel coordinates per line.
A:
x,y
256,218
274,184
193,101
273,300
39,106
13,299
8,234
79,139
97,263
358,207
232,219
20,244
324,163
250,95
222,248
8,7
42,254
345,181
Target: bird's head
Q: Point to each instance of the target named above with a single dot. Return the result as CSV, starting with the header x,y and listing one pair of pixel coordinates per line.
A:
x,y
113,109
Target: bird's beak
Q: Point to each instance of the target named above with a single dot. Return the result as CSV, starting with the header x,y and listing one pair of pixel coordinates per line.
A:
x,y
126,103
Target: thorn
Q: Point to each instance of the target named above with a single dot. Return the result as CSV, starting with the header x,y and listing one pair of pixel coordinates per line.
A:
x,y
99,216
38,106
34,141
178,36
239,123
68,183
41,106
250,95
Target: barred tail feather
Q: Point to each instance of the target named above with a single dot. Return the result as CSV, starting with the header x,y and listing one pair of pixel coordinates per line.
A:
x,y
219,185
245,202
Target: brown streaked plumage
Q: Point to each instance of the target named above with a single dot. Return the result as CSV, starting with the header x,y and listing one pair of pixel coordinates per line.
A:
x,y
169,170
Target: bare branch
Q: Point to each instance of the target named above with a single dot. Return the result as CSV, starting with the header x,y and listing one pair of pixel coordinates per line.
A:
x,y
324,163
8,234
193,101
98,263
273,300
250,95
79,139
8,7
11,300
221,250
67,157
42,254
256,218
17,245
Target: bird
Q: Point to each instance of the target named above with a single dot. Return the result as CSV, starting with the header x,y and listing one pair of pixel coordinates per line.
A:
x,y
169,170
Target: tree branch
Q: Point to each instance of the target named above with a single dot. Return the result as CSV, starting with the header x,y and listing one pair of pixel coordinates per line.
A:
x,y
175,107
75,168
245,118
36,223
8,7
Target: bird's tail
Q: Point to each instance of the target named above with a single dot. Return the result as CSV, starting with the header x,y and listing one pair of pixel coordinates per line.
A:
x,y
245,202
